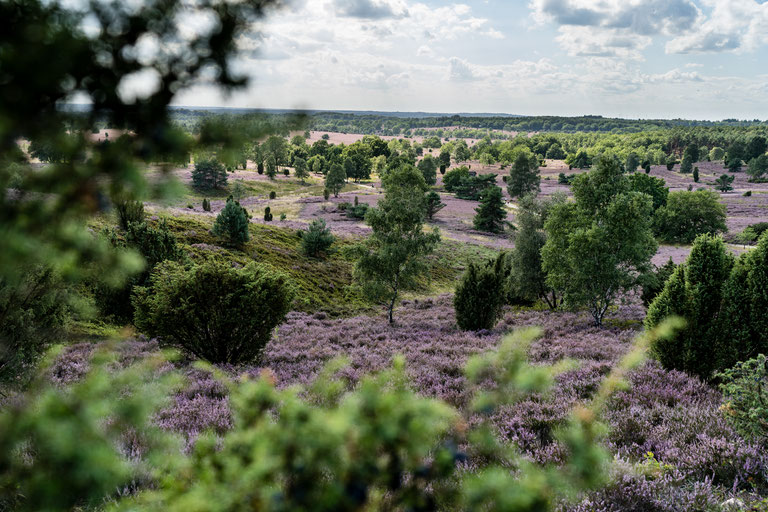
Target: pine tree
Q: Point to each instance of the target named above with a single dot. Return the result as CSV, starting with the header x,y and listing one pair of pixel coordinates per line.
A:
x,y
232,223
434,204
524,176
491,213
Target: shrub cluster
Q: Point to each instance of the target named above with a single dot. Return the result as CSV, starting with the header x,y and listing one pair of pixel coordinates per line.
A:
x,y
724,303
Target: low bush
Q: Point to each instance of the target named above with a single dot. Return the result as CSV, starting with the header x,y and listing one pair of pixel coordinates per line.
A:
x,y
317,239
128,211
212,310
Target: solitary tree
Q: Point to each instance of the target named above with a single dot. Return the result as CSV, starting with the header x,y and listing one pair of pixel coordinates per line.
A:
x,y
524,176
491,213
335,179
232,223
209,173
598,245
393,257
723,183
433,204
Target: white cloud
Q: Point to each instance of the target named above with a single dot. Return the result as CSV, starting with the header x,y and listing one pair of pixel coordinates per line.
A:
x,y
733,25
614,28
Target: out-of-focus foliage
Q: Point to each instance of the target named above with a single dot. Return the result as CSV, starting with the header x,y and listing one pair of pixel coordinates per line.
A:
x,y
96,59
381,446
745,389
77,446
216,312
34,313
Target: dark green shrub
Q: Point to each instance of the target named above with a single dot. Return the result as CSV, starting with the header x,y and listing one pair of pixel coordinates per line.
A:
x,y
267,214
214,311
479,296
654,187
232,223
128,211
745,393
317,239
286,171
155,245
694,292
206,205
752,232
453,177
357,211
34,313
696,174
272,194
653,282
326,194
723,183
209,174
748,193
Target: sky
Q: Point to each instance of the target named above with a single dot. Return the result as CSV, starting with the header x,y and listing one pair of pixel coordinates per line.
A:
x,y
694,59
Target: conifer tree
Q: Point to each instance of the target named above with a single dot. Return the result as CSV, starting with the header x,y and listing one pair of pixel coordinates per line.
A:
x,y
491,214
232,223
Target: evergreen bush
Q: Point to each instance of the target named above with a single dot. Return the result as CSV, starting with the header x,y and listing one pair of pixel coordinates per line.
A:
x,y
214,311
479,296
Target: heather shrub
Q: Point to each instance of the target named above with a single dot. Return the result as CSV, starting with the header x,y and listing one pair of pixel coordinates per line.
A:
x,y
479,296
232,223
214,311
318,447
317,239
689,214
745,393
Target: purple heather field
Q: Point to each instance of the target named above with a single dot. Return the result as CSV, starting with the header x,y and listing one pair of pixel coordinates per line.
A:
x,y
672,448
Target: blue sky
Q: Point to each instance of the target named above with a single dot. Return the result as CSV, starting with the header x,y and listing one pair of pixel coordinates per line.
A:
x,y
703,59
